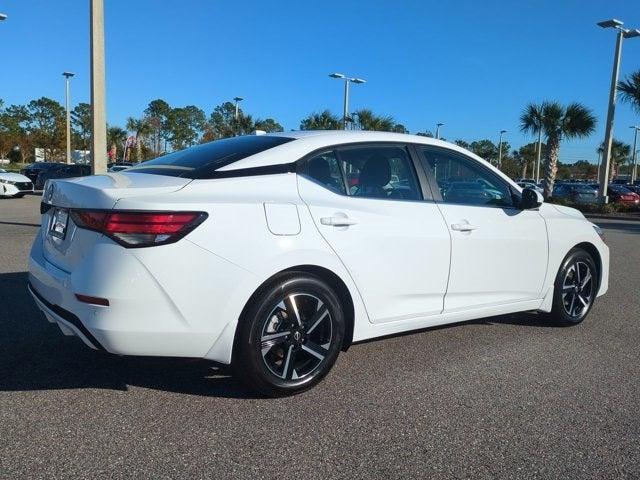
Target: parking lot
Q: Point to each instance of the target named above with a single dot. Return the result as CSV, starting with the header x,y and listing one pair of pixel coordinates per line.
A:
x,y
505,397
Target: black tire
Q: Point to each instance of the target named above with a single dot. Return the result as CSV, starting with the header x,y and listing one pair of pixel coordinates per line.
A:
x,y
277,363
575,288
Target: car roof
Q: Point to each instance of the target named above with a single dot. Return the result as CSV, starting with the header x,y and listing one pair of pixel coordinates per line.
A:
x,y
308,141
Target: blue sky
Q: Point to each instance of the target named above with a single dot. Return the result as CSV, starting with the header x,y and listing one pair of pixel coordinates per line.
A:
x,y
472,65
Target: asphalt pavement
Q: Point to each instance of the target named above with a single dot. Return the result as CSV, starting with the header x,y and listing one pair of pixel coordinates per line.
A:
x,y
503,397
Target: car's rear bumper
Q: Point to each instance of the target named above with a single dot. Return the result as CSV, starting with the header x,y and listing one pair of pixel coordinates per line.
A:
x,y
152,305
69,323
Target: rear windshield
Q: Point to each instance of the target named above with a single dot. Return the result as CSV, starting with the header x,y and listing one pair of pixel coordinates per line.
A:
x,y
202,160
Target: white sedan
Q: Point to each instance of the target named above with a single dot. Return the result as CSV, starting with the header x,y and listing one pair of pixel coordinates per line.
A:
x,y
14,184
275,252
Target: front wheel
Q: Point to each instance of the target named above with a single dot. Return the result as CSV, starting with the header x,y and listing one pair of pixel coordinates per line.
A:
x,y
575,288
291,335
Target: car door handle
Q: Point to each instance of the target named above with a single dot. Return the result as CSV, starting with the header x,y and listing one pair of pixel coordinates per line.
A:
x,y
338,221
463,227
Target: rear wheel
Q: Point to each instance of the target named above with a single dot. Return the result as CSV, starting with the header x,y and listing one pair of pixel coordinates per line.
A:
x,y
575,288
291,335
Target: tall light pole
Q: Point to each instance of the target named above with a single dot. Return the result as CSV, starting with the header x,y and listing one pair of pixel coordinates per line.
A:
x,y
634,154
237,100
608,136
600,150
347,81
538,154
502,132
98,103
438,125
67,76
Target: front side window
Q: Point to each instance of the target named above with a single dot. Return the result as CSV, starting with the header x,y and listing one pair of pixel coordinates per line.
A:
x,y
462,180
325,170
380,171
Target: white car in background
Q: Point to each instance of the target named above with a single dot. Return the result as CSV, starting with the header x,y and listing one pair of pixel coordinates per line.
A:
x,y
14,184
531,185
275,252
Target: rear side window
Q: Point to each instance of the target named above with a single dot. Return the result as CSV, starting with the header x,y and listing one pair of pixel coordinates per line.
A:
x,y
325,170
202,160
380,171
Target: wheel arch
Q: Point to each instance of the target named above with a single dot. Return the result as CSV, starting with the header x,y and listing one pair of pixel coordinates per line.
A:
x,y
592,250
330,277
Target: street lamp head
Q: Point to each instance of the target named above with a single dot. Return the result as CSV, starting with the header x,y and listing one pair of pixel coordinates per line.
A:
x,y
502,131
439,124
3,16
357,80
238,99
637,127
613,23
336,75
68,74
632,33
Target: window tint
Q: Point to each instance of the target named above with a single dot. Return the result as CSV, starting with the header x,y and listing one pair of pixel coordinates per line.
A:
x,y
462,180
325,170
202,160
383,171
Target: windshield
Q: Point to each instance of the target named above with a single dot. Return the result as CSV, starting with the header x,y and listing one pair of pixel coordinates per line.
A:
x,y
200,161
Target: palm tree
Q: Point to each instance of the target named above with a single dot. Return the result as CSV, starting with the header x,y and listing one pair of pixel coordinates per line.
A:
x,y
558,122
324,120
629,89
367,120
532,115
142,129
115,136
243,125
620,153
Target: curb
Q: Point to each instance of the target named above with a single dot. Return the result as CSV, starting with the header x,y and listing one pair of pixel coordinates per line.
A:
x,y
635,218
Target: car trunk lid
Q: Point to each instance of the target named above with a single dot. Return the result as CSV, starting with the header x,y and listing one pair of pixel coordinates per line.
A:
x,y
64,244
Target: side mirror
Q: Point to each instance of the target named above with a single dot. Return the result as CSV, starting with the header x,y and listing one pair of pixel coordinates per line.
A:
x,y
530,199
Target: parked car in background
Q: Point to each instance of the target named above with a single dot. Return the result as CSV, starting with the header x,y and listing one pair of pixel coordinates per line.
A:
x,y
118,167
62,170
14,184
32,171
621,194
634,188
253,251
110,165
527,180
530,185
576,192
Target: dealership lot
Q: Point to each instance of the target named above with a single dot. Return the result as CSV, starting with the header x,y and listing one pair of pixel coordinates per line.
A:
x,y
504,397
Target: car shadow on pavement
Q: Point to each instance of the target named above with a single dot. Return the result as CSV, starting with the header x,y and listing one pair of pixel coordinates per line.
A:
x,y
35,355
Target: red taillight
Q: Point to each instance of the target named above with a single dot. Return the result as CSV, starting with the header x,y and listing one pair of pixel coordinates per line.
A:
x,y
139,229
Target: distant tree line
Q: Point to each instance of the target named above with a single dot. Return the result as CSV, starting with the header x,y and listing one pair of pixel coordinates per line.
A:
x,y
162,128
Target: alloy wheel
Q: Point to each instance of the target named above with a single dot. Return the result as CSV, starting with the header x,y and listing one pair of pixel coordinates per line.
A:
x,y
577,289
296,336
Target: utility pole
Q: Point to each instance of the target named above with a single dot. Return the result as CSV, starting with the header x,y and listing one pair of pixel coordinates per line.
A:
x,y
345,105
502,132
634,154
622,33
538,153
98,103
67,76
